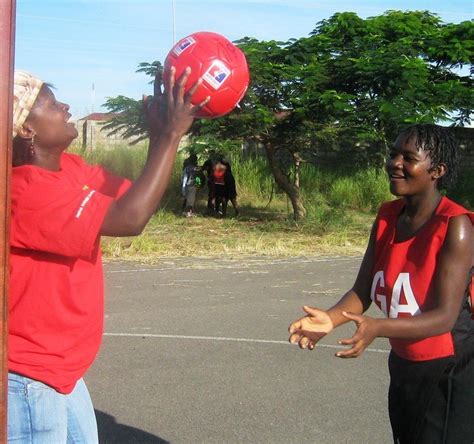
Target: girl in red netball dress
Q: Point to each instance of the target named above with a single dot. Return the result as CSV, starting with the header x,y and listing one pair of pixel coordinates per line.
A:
x,y
417,270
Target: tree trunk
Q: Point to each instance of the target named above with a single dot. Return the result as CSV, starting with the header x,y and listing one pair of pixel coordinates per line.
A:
x,y
292,190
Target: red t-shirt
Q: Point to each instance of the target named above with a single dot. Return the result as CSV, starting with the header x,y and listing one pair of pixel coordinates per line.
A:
x,y
404,272
56,279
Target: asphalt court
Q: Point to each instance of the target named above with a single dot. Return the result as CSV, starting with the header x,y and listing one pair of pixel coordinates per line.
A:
x,y
196,351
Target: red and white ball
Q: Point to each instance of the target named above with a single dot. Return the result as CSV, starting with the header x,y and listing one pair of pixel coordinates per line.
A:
x,y
221,65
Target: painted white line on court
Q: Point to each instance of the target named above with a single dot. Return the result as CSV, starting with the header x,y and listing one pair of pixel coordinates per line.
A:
x,y
220,338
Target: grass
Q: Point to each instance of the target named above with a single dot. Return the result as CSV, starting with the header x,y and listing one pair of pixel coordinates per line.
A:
x,y
340,205
254,234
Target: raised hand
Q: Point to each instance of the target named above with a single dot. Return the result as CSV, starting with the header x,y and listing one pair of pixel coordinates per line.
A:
x,y
307,331
171,111
367,331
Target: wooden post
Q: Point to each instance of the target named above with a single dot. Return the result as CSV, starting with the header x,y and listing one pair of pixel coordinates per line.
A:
x,y
7,52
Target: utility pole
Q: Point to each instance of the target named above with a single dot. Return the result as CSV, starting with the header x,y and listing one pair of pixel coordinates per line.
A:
x,y
7,53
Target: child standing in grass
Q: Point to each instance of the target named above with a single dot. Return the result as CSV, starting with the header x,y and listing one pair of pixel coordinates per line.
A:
x,y
417,270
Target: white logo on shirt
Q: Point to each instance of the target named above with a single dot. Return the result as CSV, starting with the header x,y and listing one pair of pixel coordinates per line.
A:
x,y
83,204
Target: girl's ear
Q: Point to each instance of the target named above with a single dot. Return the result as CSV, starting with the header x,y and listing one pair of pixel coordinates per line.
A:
x,y
439,171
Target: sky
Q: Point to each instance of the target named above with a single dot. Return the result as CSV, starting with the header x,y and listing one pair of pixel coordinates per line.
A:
x,y
90,49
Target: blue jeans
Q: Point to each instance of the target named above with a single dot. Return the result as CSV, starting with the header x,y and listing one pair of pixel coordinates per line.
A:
x,y
38,414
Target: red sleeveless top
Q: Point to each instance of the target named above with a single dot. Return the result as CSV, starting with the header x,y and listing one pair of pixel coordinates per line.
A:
x,y
404,272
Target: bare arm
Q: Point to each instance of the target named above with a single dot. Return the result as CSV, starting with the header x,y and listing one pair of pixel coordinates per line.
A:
x,y
170,117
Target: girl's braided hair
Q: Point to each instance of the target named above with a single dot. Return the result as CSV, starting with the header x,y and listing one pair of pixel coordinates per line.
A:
x,y
441,146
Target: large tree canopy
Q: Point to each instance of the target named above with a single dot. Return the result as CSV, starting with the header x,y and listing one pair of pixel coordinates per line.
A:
x,y
351,81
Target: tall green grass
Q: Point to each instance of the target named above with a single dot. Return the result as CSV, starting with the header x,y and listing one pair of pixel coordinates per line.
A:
x,y
362,190
253,179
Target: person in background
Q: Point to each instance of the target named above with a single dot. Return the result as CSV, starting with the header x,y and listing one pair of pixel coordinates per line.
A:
x,y
218,177
418,270
230,188
190,181
191,159
60,208
208,168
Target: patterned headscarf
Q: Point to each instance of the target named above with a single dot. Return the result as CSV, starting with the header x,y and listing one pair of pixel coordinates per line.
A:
x,y
25,91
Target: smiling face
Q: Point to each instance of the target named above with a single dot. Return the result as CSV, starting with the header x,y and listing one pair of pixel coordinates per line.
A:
x,y
410,169
48,121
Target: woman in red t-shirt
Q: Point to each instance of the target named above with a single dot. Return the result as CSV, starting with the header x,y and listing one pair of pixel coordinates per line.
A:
x,y
60,208
417,270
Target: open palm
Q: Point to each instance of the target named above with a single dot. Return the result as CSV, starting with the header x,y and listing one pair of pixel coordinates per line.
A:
x,y
308,330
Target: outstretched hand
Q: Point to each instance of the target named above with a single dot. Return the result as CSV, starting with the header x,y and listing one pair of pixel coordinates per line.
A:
x,y
366,332
307,331
170,111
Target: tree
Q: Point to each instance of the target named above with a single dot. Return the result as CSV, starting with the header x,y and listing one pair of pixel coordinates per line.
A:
x,y
394,69
268,117
352,81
